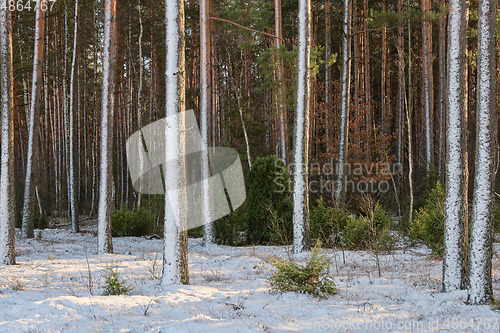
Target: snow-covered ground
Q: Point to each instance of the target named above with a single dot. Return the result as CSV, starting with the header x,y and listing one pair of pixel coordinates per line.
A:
x,y
48,291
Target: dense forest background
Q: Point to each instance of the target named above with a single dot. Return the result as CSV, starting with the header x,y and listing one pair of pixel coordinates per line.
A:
x,y
389,111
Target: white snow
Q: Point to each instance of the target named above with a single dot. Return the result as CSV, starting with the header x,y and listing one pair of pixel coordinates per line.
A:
x,y
48,291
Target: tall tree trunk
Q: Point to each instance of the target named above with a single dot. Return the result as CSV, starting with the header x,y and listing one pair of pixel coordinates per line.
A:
x,y
401,92
367,83
384,91
106,191
344,113
481,290
442,86
72,196
205,102
427,82
34,118
139,93
328,29
7,231
301,144
455,203
175,259
283,140
409,111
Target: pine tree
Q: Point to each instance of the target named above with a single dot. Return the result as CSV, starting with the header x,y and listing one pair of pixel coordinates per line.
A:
x,y
72,187
301,138
481,291
106,191
175,259
7,231
344,113
205,99
34,124
455,203
427,82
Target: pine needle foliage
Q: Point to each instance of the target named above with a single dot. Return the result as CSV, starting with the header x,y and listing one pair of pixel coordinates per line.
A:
x,y
313,277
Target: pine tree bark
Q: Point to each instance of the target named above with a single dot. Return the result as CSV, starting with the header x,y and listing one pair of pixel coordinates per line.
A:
x,y
455,203
481,290
283,139
344,113
72,194
427,82
106,190
205,103
401,92
367,77
175,259
33,127
7,218
301,138
442,86
384,91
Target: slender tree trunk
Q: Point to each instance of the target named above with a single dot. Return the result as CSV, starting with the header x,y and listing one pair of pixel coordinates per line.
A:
x,y
401,92
205,99
106,191
281,87
409,112
328,29
175,259
301,139
367,77
139,93
384,91
442,86
7,231
240,109
481,290
427,82
455,203
344,113
34,118
72,196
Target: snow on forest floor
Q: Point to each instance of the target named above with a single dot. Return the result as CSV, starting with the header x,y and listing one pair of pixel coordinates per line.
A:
x,y
48,291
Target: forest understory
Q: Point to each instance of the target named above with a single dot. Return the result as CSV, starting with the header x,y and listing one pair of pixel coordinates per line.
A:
x,y
58,282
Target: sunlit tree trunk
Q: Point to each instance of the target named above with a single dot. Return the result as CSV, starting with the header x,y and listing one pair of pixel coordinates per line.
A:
x,y
106,191
409,111
205,101
427,82
455,203
33,126
72,195
281,94
401,91
384,91
175,259
367,77
301,138
344,113
481,290
442,86
7,231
